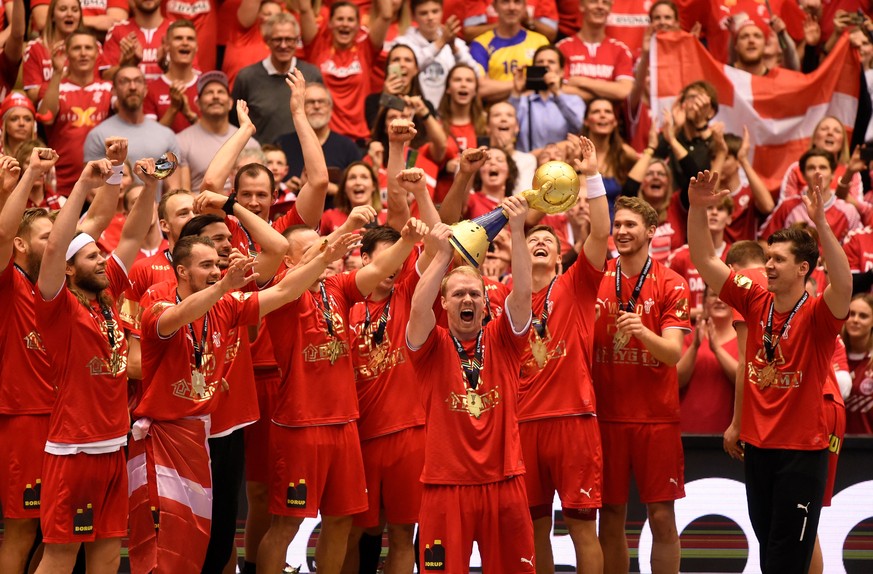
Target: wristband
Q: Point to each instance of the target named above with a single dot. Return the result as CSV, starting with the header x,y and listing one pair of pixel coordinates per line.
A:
x,y
649,151
117,175
841,183
594,186
228,205
426,116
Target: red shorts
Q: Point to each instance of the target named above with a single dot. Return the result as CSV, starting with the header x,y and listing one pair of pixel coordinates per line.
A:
x,y
835,415
22,446
562,454
257,434
495,515
84,497
317,468
652,452
392,465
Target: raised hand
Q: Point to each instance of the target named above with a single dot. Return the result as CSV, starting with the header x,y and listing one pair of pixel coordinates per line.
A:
x,y
294,80
515,207
95,173
339,248
9,172
116,149
437,241
701,190
814,202
238,271
242,113
415,230
59,58
401,130
589,157
472,159
412,180
209,202
361,216
42,159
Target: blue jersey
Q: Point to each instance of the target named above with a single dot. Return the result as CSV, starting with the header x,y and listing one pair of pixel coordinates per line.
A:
x,y
500,57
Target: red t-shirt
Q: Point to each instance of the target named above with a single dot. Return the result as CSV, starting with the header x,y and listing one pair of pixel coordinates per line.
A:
x,y
479,204
671,234
80,109
680,262
143,274
204,14
244,46
167,363
37,69
745,219
859,405
25,387
388,399
313,391
631,385
346,75
841,216
157,102
610,60
627,22
718,34
563,385
91,7
460,448
859,249
788,414
569,17
482,11
91,403
150,40
707,401
334,218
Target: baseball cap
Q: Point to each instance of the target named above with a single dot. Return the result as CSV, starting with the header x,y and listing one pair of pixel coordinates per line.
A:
x,y
209,77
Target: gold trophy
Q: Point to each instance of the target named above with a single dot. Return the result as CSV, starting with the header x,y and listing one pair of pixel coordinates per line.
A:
x,y
555,188
164,166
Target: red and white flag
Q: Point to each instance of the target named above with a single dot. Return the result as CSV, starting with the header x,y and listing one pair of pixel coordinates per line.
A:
x,y
780,109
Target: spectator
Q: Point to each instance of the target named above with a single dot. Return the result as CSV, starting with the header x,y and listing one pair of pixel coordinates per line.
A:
x,y
98,15
401,80
861,41
146,138
501,50
345,56
199,143
628,21
72,107
436,46
204,15
545,115
614,155
244,44
172,98
708,370
858,336
339,151
262,85
539,16
503,133
138,42
13,47
17,122
358,186
750,195
597,66
750,48
277,163
493,183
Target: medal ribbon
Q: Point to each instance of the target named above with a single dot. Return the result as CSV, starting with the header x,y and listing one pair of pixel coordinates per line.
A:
x,y
769,346
110,331
325,310
169,256
253,250
540,325
23,273
198,346
473,366
379,335
632,302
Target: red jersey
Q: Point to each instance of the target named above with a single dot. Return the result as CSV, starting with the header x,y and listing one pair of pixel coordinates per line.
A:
x,y
479,203
680,262
314,391
789,413
745,218
168,362
460,448
334,218
562,385
631,385
150,40
480,12
237,400
388,399
346,75
859,405
670,235
204,14
91,7
25,387
718,34
794,185
707,401
37,69
143,274
627,22
859,249
841,216
157,102
108,240
610,60
80,109
569,17
244,46
90,377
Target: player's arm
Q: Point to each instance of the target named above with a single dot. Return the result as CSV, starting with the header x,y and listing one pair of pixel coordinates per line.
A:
x,y
13,208
310,198
51,99
596,244
838,293
412,181
198,304
421,317
105,203
518,302
139,220
456,199
298,280
380,20
273,244
134,358
702,193
222,163
14,45
389,261
400,132
731,440
308,23
54,263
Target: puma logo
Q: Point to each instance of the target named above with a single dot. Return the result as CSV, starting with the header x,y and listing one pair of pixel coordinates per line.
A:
x,y
805,508
674,481
586,492
526,561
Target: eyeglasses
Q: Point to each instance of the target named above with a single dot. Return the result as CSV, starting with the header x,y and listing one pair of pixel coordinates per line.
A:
x,y
291,41
314,103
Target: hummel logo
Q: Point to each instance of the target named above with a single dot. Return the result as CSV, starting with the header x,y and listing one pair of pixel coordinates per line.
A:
x,y
586,492
526,561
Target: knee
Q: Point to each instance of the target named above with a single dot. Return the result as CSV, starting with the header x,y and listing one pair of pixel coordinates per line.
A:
x,y
612,517
285,527
257,494
400,535
662,521
20,531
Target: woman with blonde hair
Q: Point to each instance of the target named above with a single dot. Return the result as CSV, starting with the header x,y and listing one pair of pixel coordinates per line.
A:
x,y
64,18
858,336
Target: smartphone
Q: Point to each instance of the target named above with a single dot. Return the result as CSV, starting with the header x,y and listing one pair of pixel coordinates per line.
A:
x,y
334,174
392,102
535,78
867,154
856,18
395,70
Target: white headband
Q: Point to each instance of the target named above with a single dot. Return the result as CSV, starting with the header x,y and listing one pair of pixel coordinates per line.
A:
x,y
78,242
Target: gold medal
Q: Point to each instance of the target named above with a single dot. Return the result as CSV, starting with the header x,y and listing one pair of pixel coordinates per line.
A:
x,y
767,376
334,350
620,341
198,383
474,403
116,363
378,354
539,350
